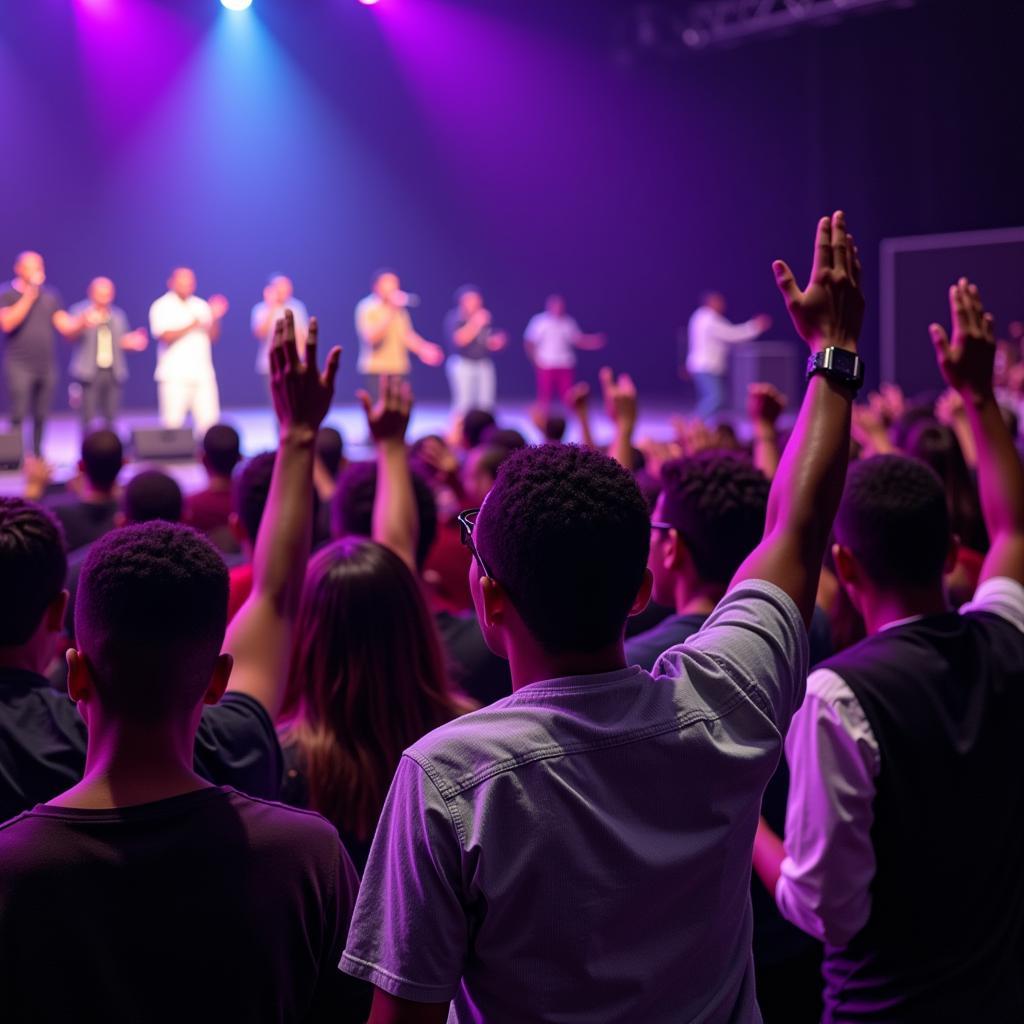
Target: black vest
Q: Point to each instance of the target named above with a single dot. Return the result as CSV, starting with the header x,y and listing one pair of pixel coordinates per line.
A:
x,y
945,939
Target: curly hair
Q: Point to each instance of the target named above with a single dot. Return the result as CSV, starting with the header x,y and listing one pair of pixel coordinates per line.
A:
x,y
33,566
717,501
150,614
566,532
895,520
153,494
102,458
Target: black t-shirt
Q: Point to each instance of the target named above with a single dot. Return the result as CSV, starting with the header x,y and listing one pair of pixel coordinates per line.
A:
x,y
471,664
43,741
477,348
209,906
30,344
83,521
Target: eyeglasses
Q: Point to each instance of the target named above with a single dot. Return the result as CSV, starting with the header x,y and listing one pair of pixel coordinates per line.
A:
x,y
656,525
467,520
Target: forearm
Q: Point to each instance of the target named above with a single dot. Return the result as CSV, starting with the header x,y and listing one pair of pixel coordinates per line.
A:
x,y
961,426
170,337
395,518
214,330
12,317
622,447
68,326
766,448
1000,474
769,854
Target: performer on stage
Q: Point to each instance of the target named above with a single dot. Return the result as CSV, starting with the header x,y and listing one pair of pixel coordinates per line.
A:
x,y
471,373
278,296
186,327
707,357
29,311
100,334
551,339
386,333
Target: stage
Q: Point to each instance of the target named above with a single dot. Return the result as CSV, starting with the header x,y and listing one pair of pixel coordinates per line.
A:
x,y
257,429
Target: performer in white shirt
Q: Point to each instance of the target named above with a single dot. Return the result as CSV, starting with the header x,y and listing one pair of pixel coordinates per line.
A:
x,y
707,358
185,327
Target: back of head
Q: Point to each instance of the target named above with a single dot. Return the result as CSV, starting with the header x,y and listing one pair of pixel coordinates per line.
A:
x,y
474,423
33,567
366,677
503,437
717,502
152,494
222,449
330,448
352,507
554,428
251,490
150,616
894,519
102,458
566,532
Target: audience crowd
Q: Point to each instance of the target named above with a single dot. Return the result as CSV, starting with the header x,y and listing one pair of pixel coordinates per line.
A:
x,y
717,727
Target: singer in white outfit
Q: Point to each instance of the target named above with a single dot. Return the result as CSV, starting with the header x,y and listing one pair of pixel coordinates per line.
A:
x,y
386,333
185,327
707,357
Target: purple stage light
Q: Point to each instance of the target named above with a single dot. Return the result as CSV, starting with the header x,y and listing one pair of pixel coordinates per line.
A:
x,y
368,3
236,5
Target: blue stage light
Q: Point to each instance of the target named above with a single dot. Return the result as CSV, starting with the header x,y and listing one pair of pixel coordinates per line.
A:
x,y
236,5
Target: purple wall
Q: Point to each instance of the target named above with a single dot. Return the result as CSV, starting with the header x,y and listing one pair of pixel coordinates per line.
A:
x,y
496,142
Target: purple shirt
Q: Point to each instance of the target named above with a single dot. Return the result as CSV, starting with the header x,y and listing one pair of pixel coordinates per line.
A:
x,y
581,850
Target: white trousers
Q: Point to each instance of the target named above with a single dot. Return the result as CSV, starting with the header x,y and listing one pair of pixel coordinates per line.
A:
x,y
199,396
473,382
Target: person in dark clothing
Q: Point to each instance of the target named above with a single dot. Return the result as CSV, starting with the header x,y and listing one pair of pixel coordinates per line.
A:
x,y
91,512
209,510
904,854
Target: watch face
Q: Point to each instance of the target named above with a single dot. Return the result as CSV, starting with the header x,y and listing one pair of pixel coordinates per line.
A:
x,y
844,362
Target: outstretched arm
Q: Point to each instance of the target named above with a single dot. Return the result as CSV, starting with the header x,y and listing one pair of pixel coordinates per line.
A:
x,y
967,363
806,490
764,407
621,405
395,518
259,636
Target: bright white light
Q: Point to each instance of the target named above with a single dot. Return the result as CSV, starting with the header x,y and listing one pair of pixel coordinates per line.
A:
x,y
236,5
368,3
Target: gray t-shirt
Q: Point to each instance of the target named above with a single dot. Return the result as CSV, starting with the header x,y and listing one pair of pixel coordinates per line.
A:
x,y
30,344
581,849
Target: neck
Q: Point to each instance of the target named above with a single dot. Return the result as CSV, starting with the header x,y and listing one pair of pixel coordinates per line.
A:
x,y
92,495
536,665
881,610
219,483
697,598
134,764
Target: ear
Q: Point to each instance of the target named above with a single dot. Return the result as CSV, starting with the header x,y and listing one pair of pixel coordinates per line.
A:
x,y
56,612
951,555
494,601
846,565
677,554
219,679
643,595
80,684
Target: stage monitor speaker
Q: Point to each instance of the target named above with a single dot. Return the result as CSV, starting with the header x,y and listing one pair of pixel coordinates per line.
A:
x,y
159,444
766,362
11,450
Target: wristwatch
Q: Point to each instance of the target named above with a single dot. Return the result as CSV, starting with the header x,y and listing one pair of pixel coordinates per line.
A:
x,y
845,368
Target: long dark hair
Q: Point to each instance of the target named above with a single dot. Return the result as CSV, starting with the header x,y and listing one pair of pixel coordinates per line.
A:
x,y
366,679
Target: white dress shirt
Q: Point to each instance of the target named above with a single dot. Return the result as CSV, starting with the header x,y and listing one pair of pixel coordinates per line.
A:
x,y
834,759
190,357
710,337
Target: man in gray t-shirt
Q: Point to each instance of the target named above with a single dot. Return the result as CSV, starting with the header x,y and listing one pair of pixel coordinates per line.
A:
x,y
581,850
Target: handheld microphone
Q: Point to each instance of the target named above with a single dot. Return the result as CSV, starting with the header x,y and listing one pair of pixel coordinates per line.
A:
x,y
401,298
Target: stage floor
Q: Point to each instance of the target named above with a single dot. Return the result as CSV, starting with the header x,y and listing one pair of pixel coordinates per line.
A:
x,y
257,429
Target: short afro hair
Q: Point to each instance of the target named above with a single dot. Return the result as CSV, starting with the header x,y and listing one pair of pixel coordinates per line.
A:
x,y
250,492
895,520
474,423
717,501
566,532
502,437
352,507
102,458
150,616
33,567
222,449
152,494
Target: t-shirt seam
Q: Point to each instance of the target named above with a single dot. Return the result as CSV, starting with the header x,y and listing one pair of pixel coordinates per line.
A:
x,y
438,783
377,968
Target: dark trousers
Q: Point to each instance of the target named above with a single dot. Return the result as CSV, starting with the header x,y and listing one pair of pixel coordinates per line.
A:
x,y
100,396
31,391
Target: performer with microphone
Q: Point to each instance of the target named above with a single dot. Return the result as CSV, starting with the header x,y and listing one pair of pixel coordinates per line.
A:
x,y
30,310
186,327
278,296
100,334
471,371
386,333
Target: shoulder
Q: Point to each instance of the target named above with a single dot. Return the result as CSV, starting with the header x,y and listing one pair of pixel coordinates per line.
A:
x,y
295,826
161,303
195,302
1000,596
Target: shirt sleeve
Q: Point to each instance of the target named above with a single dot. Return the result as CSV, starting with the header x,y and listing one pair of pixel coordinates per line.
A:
x,y
1000,596
824,888
158,320
256,316
410,933
236,745
574,330
720,328
757,636
532,331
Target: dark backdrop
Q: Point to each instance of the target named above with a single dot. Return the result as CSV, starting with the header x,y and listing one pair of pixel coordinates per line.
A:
x,y
496,141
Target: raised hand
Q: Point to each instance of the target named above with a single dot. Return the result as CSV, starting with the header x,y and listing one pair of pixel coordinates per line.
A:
x,y
620,399
388,418
577,398
135,341
765,403
302,395
830,310
967,361
949,407
431,354
218,306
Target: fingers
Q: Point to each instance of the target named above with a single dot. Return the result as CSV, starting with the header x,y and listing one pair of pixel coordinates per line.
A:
x,y
331,369
988,323
311,341
958,309
786,282
277,360
822,247
291,351
363,398
840,251
940,342
853,255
